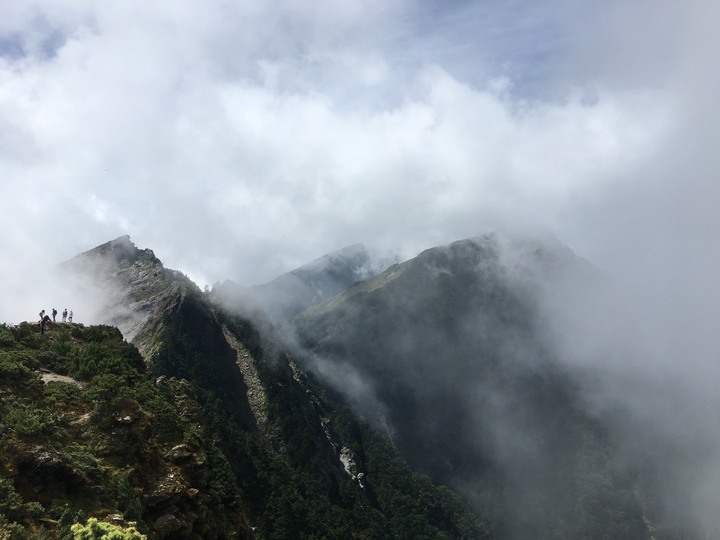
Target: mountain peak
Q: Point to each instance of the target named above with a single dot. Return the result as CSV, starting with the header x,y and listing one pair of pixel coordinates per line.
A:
x,y
120,249
305,286
128,287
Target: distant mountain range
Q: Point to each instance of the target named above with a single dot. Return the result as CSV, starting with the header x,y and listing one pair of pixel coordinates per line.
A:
x,y
330,402
308,285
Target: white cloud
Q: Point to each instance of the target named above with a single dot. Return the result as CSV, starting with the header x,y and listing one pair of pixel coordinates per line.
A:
x,y
248,135
237,140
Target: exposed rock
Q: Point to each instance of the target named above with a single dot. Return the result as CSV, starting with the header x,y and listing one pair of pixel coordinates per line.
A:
x,y
256,395
133,285
167,524
48,377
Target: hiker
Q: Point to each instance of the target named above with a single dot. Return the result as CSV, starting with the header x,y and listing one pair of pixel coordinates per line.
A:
x,y
70,316
64,314
54,312
42,314
43,323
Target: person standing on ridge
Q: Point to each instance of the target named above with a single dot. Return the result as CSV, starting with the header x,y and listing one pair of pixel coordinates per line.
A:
x,y
54,312
64,314
70,316
43,323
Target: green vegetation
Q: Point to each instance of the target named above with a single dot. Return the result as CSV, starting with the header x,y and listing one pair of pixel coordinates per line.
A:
x,y
96,445
100,530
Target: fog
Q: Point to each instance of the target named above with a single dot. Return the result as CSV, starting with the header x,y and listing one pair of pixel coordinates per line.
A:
x,y
241,141
645,350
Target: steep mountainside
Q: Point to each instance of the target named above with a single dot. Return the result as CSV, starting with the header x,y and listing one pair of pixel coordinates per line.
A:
x,y
87,434
447,353
211,430
132,286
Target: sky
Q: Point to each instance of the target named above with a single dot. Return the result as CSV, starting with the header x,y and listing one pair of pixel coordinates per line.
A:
x,y
238,140
241,139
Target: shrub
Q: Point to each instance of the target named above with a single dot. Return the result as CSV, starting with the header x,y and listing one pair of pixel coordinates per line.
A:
x,y
62,345
13,368
61,392
11,531
12,506
128,498
6,338
101,530
29,419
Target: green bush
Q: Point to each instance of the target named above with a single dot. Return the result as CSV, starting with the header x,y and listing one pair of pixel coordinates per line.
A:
x,y
28,334
13,368
58,391
83,459
128,498
28,419
61,343
101,530
11,530
12,506
6,338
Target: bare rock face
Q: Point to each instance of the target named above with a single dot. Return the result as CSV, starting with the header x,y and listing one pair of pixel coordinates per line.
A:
x,y
131,285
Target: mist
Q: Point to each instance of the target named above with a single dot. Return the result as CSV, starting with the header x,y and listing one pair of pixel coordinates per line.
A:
x,y
240,142
645,352
511,354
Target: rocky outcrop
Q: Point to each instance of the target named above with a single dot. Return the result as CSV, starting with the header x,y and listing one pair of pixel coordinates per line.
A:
x,y
133,287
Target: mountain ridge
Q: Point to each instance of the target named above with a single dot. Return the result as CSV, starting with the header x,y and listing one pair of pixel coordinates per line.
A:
x,y
286,459
449,347
309,284
343,418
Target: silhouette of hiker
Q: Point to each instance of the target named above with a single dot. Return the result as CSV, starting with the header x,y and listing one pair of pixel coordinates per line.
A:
x,y
42,314
70,316
43,323
64,314
54,312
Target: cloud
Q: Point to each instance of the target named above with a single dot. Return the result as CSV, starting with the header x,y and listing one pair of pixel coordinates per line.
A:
x,y
236,140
